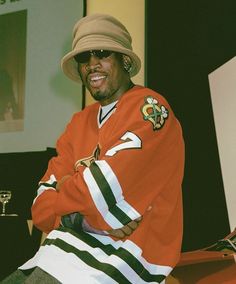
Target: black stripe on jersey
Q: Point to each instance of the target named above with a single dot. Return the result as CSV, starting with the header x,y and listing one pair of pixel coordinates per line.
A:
x,y
46,184
109,269
108,194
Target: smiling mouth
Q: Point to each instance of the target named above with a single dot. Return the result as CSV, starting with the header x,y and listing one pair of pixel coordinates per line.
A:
x,y
96,81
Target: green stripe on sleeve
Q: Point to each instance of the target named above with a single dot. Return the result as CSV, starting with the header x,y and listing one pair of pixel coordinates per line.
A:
x,y
108,194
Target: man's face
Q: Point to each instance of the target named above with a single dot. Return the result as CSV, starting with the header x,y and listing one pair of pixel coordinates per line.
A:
x,y
105,78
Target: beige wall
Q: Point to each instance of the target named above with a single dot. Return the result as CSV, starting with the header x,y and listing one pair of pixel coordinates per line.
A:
x,y
132,14
223,89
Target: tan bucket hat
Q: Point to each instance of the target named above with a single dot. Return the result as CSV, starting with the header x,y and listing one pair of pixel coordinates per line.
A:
x,y
99,31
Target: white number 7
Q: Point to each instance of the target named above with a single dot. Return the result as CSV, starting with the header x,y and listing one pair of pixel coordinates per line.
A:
x,y
131,141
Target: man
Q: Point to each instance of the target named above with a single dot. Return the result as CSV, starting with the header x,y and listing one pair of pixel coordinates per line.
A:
x,y
119,160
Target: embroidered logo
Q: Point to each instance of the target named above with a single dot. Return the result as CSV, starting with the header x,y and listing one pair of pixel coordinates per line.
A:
x,y
154,112
87,161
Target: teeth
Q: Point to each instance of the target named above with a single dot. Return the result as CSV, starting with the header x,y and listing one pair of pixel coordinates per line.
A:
x,y
97,78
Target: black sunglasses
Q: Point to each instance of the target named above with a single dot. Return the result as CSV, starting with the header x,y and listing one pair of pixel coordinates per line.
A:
x,y
84,57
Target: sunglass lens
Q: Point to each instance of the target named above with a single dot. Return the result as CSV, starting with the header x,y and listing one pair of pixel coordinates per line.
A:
x,y
84,57
102,53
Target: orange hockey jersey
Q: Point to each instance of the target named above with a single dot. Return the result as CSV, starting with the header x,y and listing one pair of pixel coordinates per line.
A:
x,y
129,165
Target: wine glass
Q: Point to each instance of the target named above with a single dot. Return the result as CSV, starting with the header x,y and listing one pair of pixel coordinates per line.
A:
x,y
5,196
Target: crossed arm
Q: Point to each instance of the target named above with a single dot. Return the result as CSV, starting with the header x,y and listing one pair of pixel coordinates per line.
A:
x,y
126,230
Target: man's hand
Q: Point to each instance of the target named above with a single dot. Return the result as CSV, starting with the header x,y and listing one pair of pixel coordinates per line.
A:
x,y
127,230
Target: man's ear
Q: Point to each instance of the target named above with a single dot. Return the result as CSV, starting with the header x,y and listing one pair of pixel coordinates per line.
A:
x,y
127,63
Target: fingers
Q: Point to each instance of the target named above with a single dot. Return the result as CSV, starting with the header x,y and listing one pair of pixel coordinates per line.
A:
x,y
134,224
118,233
121,233
127,230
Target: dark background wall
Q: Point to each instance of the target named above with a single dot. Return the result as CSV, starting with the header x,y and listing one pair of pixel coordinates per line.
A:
x,y
185,41
20,172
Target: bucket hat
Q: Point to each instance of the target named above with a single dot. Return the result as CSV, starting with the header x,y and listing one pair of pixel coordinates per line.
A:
x,y
95,32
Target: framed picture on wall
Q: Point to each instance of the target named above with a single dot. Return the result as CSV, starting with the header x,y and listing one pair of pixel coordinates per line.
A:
x,y
12,70
36,99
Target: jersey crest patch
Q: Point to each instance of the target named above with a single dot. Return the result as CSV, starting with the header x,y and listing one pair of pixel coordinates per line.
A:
x,y
154,112
87,161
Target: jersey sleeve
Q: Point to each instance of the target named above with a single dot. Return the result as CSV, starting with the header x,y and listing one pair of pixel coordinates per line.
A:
x,y
43,213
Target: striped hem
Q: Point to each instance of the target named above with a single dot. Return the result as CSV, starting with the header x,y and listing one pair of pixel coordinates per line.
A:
x,y
122,260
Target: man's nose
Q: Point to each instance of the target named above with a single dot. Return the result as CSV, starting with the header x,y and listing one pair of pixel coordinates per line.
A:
x,y
93,60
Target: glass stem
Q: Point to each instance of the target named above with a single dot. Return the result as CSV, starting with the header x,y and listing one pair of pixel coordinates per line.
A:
x,y
3,208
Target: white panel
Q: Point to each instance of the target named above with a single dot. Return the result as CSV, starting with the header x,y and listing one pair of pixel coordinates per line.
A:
x,y
223,94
